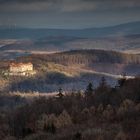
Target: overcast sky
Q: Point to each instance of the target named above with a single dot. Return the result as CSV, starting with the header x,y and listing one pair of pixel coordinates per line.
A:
x,y
68,13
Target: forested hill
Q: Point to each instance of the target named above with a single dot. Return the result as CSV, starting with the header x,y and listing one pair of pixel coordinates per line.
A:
x,y
86,57
75,68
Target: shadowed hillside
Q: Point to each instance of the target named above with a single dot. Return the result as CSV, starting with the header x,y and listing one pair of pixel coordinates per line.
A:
x,y
101,113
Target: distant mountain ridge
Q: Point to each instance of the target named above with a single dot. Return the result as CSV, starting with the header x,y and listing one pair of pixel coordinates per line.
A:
x,y
128,44
30,33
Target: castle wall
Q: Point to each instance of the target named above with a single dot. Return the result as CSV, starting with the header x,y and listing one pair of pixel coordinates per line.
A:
x,y
21,67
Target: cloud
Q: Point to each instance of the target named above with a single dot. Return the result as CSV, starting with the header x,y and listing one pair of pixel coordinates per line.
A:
x,y
77,5
28,5
26,1
65,5
68,13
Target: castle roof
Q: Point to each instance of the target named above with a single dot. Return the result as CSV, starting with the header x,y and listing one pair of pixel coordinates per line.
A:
x,y
20,64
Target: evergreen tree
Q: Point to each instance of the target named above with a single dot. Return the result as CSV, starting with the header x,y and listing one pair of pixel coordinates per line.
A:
x,y
77,136
50,128
103,87
121,81
89,90
60,93
103,83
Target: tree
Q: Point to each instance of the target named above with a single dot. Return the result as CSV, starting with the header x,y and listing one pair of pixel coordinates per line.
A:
x,y
64,119
100,109
103,86
122,80
108,113
85,114
103,83
77,136
89,90
50,128
60,93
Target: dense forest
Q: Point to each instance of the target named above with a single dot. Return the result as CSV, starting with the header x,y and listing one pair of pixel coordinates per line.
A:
x,y
102,113
79,57
86,57
95,60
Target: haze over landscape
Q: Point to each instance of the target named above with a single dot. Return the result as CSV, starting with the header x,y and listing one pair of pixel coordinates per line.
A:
x,y
69,69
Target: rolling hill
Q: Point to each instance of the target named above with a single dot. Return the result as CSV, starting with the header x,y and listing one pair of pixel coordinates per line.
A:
x,y
128,44
98,60
73,69
28,33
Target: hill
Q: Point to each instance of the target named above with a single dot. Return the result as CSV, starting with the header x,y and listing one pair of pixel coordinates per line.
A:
x,y
86,57
24,33
74,69
129,44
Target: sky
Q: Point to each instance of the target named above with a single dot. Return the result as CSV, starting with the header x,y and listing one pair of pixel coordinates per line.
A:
x,y
72,14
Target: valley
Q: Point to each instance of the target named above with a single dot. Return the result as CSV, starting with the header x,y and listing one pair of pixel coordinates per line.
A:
x,y
72,70
70,59
69,70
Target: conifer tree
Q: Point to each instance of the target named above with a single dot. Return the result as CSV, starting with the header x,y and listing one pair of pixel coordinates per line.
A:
x,y
89,90
60,93
50,128
103,82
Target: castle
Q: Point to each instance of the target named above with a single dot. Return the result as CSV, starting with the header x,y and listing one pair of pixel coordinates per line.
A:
x,y
21,69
